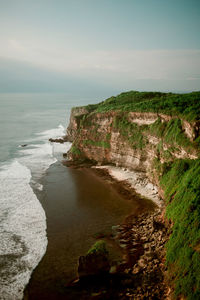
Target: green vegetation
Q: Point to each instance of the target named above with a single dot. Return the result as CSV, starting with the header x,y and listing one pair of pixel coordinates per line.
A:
x,y
131,131
103,144
179,178
98,247
85,120
108,136
181,181
186,106
171,133
75,150
91,107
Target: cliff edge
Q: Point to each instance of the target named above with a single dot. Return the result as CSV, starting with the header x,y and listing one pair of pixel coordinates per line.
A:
x,y
158,134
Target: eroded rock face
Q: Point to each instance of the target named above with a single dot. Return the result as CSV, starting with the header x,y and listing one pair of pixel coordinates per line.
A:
x,y
74,122
145,118
97,138
142,118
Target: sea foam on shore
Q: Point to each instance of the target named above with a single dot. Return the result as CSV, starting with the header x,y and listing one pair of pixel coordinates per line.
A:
x,y
22,230
22,218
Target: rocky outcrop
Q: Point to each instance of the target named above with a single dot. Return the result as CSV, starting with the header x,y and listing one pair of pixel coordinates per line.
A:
x,y
58,140
141,118
129,139
93,264
149,143
74,123
143,240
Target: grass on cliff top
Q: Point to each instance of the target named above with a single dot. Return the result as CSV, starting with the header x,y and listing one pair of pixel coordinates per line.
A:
x,y
186,106
181,182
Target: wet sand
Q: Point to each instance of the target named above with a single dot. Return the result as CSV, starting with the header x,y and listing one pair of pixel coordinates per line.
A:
x,y
79,204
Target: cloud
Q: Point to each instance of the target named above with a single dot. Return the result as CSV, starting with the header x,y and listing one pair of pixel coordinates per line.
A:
x,y
135,64
118,67
17,76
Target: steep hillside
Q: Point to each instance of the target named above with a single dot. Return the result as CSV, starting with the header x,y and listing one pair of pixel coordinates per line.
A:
x,y
157,134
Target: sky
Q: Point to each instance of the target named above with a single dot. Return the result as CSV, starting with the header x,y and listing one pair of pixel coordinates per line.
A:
x,y
99,46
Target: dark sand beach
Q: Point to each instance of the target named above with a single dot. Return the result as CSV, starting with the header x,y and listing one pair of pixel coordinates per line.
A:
x,y
80,204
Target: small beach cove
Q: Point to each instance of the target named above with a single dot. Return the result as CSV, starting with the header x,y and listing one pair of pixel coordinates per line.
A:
x,y
80,205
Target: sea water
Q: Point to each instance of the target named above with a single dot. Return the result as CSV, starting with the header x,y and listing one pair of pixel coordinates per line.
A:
x,y
27,121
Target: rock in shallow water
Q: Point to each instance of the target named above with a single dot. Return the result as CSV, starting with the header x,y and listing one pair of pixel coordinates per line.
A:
x,y
93,264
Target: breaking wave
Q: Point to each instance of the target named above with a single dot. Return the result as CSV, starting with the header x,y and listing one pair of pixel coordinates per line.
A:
x,y
22,218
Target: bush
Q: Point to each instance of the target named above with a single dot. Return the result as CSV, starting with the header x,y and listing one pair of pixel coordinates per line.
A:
x,y
75,150
98,247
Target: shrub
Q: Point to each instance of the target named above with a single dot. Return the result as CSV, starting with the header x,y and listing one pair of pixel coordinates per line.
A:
x,y
75,150
182,191
98,247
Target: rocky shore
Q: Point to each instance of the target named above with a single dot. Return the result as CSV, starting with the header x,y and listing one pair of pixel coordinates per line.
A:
x,y
143,239
135,180
146,138
140,273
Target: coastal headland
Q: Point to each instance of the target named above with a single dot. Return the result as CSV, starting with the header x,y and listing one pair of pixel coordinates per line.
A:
x,y
135,161
150,141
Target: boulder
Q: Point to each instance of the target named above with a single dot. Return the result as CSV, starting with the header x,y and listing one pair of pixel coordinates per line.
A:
x,y
59,140
95,262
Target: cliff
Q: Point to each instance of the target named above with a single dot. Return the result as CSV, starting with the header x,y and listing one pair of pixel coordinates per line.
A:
x,y
157,134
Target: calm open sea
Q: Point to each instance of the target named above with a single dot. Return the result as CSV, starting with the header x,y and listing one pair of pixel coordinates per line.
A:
x,y
29,119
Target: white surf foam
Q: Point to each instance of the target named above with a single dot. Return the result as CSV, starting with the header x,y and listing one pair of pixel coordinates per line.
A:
x,y
47,134
22,218
58,149
22,230
53,133
38,157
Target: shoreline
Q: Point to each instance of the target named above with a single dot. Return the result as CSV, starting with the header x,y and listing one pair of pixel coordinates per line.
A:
x,y
75,214
136,180
141,237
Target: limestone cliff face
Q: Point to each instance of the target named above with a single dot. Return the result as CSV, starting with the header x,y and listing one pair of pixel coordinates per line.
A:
x,y
132,140
74,122
166,148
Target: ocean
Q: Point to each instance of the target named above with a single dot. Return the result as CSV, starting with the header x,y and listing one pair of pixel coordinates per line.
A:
x,y
50,215
26,119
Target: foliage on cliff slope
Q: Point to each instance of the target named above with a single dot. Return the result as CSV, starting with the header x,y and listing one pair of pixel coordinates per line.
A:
x,y
181,182
180,178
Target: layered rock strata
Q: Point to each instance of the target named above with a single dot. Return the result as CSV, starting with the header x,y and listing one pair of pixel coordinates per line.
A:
x,y
132,140
146,143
